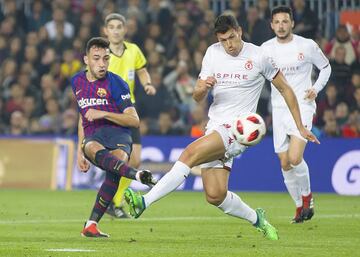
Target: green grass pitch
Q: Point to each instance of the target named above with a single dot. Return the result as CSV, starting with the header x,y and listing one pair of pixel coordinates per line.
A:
x,y
46,223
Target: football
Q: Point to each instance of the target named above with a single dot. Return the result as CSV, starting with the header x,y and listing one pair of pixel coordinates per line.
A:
x,y
249,129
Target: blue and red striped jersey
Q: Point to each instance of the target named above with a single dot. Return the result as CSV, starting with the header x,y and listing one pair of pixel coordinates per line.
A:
x,y
110,94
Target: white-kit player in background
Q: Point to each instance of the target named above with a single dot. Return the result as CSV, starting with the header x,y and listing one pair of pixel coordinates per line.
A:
x,y
295,57
236,71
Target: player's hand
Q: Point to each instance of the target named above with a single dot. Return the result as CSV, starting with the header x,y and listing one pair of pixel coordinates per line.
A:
x,y
210,82
93,114
82,163
308,135
150,89
310,94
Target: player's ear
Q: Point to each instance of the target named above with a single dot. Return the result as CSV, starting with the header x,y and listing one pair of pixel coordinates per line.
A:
x,y
292,24
272,25
239,31
86,60
105,31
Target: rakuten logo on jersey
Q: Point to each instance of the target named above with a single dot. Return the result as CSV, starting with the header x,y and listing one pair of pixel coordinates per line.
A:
x,y
346,174
87,102
124,97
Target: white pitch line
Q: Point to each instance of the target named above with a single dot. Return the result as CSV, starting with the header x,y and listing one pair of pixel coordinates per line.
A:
x,y
69,250
186,218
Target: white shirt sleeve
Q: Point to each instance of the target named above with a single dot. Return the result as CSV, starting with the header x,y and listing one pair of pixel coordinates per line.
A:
x,y
269,69
322,63
318,58
206,67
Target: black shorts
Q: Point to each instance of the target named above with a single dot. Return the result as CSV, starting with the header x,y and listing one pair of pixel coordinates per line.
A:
x,y
135,136
112,138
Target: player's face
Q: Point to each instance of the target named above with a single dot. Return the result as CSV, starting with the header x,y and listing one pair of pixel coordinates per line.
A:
x,y
282,25
231,41
97,61
115,30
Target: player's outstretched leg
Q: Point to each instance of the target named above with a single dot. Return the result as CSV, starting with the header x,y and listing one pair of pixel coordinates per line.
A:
x,y
91,230
308,207
135,202
264,226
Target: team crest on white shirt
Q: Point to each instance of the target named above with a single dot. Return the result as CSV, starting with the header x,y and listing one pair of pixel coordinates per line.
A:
x,y
249,65
301,56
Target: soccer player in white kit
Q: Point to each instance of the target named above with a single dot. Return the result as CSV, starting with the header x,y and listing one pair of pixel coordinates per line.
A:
x,y
236,71
295,56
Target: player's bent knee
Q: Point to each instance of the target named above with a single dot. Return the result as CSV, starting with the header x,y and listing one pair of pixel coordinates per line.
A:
x,y
294,161
215,198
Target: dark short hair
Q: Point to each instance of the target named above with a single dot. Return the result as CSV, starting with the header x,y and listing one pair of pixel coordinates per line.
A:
x,y
97,42
225,22
282,9
114,16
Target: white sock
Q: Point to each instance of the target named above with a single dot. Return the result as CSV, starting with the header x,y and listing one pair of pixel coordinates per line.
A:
x,y
291,183
89,222
234,206
303,177
168,183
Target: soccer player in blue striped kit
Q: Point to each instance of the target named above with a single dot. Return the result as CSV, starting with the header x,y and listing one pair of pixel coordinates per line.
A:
x,y
106,113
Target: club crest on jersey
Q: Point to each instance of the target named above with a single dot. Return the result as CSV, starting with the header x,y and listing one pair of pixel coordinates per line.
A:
x,y
249,65
101,92
301,56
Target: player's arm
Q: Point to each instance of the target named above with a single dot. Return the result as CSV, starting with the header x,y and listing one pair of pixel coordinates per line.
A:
x,y
145,81
319,59
202,88
286,91
83,164
129,117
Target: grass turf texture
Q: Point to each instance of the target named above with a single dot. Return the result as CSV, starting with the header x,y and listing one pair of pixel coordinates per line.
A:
x,y
182,224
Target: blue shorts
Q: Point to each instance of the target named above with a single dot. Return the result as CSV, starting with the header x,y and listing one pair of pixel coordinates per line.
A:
x,y
112,138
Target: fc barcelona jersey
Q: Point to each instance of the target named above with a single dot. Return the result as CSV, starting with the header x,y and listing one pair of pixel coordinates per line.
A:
x,y
110,94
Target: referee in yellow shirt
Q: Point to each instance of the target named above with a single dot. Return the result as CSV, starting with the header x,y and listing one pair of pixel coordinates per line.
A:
x,y
126,60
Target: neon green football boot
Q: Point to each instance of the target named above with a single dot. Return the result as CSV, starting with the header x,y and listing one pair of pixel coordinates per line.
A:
x,y
265,227
135,202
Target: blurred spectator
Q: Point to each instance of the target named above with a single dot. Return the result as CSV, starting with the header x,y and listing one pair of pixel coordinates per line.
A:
x,y
256,30
306,21
29,107
328,103
264,9
199,120
69,122
18,124
341,113
16,49
7,76
342,39
50,122
237,8
59,26
352,127
70,65
165,125
151,106
340,71
48,57
182,84
38,16
15,102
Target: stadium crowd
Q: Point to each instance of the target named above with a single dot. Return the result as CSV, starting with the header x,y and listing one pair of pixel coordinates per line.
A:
x,y
42,42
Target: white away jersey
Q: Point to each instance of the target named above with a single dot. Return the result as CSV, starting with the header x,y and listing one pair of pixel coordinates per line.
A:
x,y
295,60
239,80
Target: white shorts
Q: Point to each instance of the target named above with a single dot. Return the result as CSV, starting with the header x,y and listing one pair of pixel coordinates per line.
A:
x,y
232,147
284,126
